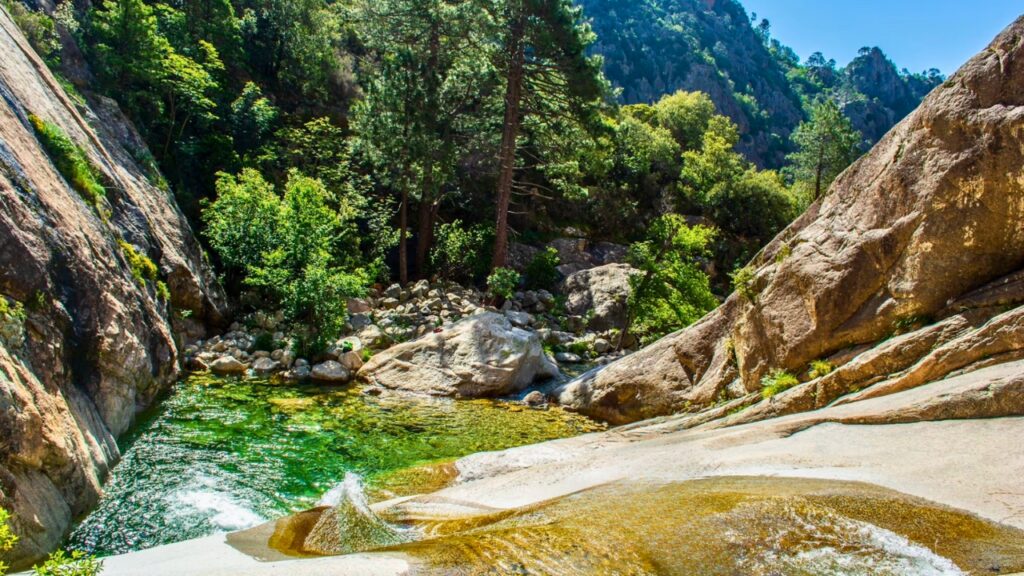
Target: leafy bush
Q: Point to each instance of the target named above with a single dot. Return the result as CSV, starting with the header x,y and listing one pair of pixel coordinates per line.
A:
x,y
10,311
542,271
743,283
77,563
461,253
70,160
301,251
38,28
503,282
142,267
821,368
264,341
755,205
777,382
244,222
671,290
7,538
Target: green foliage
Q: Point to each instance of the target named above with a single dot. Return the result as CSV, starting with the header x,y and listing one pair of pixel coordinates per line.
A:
x,y
264,341
503,282
252,118
777,382
826,145
542,272
77,563
755,205
8,312
300,250
671,289
7,538
686,115
820,368
743,283
461,253
243,223
70,160
142,267
38,28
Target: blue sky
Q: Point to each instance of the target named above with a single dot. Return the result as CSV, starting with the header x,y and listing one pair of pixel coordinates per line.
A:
x,y
916,34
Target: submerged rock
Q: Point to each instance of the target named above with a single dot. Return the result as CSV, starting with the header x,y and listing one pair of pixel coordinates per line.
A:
x,y
483,355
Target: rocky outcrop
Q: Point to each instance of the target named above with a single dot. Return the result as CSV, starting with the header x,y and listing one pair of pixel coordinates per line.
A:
x,y
934,213
602,294
482,355
99,345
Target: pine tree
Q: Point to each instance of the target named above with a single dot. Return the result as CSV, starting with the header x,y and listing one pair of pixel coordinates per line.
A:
x,y
826,145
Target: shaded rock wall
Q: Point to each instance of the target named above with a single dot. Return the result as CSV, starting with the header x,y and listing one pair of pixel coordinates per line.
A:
x,y
932,213
97,346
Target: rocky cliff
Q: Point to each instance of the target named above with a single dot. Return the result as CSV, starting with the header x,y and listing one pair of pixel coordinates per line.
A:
x,y
656,47
908,270
97,341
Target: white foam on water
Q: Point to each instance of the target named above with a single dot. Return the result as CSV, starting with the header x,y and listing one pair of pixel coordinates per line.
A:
x,y
349,489
221,509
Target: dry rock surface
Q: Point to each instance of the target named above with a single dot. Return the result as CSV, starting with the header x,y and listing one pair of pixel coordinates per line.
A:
x,y
94,345
926,227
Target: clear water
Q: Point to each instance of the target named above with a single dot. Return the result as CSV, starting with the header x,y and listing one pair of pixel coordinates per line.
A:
x,y
227,454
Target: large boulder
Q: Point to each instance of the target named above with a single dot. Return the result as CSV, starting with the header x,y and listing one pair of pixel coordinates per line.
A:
x,y
932,213
480,356
601,294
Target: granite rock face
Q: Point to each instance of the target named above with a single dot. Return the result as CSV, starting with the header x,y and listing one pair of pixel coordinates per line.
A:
x,y
928,224
98,346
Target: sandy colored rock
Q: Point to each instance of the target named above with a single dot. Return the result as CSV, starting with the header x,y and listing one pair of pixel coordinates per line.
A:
x,y
483,355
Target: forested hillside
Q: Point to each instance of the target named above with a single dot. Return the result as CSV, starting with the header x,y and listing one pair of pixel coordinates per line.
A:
x,y
322,147
654,47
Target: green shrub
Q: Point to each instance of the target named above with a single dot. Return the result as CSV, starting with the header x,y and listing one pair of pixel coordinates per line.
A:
x,y
7,538
38,28
777,382
542,271
70,160
77,563
460,253
743,283
671,289
300,251
264,341
503,282
821,368
8,311
142,267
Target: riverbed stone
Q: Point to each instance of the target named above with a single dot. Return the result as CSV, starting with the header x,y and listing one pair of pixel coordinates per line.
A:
x,y
330,371
265,366
227,365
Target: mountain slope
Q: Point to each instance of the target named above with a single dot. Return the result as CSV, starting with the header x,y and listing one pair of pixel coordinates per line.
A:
x,y
656,47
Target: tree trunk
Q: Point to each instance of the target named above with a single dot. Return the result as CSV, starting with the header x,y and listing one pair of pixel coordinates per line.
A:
x,y
507,155
425,236
403,227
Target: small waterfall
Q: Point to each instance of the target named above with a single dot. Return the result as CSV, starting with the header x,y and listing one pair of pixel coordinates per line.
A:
x,y
349,524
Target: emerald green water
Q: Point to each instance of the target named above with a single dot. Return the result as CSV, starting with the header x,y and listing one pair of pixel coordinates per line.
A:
x,y
226,454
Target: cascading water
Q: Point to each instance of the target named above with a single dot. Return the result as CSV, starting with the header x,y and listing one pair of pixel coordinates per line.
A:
x,y
349,525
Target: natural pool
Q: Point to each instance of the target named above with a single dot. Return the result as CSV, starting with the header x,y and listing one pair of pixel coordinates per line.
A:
x,y
225,454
